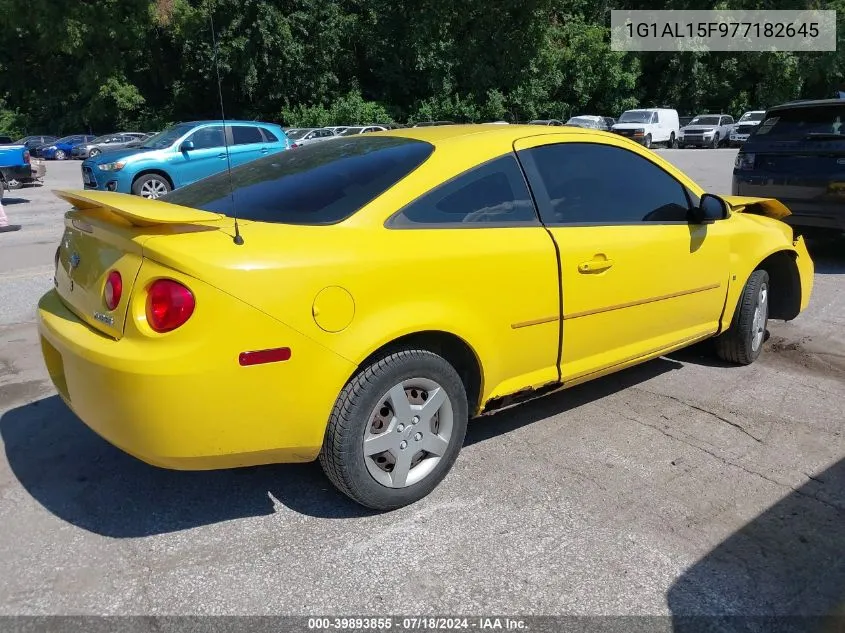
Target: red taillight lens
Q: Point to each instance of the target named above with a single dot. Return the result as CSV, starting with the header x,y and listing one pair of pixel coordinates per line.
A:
x,y
113,290
169,305
26,156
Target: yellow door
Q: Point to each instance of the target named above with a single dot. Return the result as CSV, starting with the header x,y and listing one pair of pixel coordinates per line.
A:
x,y
638,278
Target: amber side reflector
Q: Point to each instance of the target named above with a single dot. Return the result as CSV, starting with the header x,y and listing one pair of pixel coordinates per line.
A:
x,y
263,356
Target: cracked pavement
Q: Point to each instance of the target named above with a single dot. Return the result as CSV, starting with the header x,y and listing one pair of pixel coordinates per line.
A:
x,y
680,487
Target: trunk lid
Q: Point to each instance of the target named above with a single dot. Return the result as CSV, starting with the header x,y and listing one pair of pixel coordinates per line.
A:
x,y
106,232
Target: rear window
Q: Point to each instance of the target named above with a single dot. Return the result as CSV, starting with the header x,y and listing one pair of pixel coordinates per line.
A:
x,y
800,123
323,183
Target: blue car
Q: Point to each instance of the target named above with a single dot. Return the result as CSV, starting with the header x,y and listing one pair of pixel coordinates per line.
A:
x,y
60,149
181,155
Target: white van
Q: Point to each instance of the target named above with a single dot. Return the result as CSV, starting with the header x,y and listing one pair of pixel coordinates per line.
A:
x,y
649,126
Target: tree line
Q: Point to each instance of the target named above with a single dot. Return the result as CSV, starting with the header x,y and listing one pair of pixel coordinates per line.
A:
x,y
103,65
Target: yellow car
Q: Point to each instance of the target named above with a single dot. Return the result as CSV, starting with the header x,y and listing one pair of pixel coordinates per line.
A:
x,y
358,300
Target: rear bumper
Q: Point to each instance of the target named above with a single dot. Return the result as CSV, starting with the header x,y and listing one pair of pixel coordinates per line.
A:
x,y
191,406
816,212
17,172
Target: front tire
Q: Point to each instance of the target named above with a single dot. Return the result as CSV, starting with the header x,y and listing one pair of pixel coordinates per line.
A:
x,y
647,141
743,341
396,429
60,154
715,144
151,186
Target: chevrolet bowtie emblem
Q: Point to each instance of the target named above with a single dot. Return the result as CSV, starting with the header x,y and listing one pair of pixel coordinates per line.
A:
x,y
74,260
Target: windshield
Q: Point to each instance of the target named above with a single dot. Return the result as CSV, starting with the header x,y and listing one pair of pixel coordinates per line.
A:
x,y
635,116
580,120
103,139
351,131
800,123
68,139
705,120
752,116
296,134
167,137
322,183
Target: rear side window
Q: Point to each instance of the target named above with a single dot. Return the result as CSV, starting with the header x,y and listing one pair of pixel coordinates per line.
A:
x,y
801,123
493,193
271,138
246,135
323,183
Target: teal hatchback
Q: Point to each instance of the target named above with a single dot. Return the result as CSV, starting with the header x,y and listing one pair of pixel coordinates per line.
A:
x,y
182,154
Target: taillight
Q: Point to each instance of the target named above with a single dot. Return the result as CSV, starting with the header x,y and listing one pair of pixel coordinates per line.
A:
x,y
113,290
744,161
26,156
169,305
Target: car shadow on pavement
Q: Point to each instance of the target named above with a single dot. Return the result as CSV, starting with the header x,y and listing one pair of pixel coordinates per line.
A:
x,y
10,201
786,566
828,255
84,480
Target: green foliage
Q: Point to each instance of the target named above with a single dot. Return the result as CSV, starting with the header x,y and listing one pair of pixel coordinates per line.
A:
x,y
101,65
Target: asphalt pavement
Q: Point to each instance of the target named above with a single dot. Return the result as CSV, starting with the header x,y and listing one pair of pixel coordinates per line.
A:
x,y
682,486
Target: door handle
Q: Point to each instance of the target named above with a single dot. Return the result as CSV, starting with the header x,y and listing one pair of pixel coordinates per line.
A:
x,y
264,150
221,155
595,265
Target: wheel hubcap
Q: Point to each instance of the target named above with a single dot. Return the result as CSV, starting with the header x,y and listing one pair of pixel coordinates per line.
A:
x,y
408,433
761,316
153,189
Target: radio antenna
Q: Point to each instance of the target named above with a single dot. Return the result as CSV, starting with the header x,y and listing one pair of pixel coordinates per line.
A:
x,y
237,239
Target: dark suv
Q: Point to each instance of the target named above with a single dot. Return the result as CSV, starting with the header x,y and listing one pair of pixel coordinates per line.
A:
x,y
797,155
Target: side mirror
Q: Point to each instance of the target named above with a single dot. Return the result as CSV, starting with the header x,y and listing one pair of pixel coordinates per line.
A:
x,y
710,208
186,146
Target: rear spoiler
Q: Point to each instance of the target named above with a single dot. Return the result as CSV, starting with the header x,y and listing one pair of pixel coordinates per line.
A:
x,y
758,206
136,210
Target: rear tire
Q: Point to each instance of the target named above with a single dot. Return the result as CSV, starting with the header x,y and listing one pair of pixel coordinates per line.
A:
x,y
60,154
673,142
385,404
743,341
94,152
151,186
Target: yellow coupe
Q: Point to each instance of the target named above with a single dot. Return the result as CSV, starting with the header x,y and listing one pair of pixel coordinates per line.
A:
x,y
358,300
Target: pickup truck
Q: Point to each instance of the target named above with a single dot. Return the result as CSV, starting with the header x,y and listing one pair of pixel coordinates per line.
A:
x,y
17,169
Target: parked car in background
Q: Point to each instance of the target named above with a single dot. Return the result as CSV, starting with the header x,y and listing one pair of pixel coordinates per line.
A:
x,y
31,142
362,129
649,126
588,121
746,125
181,155
545,122
707,130
797,155
106,143
17,167
609,122
430,123
337,129
5,140
61,148
307,136
685,120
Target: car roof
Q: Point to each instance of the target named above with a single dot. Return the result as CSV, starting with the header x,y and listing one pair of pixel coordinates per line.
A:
x,y
807,103
437,135
227,122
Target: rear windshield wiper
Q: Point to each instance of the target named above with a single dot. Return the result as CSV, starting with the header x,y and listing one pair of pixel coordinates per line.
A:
x,y
824,136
